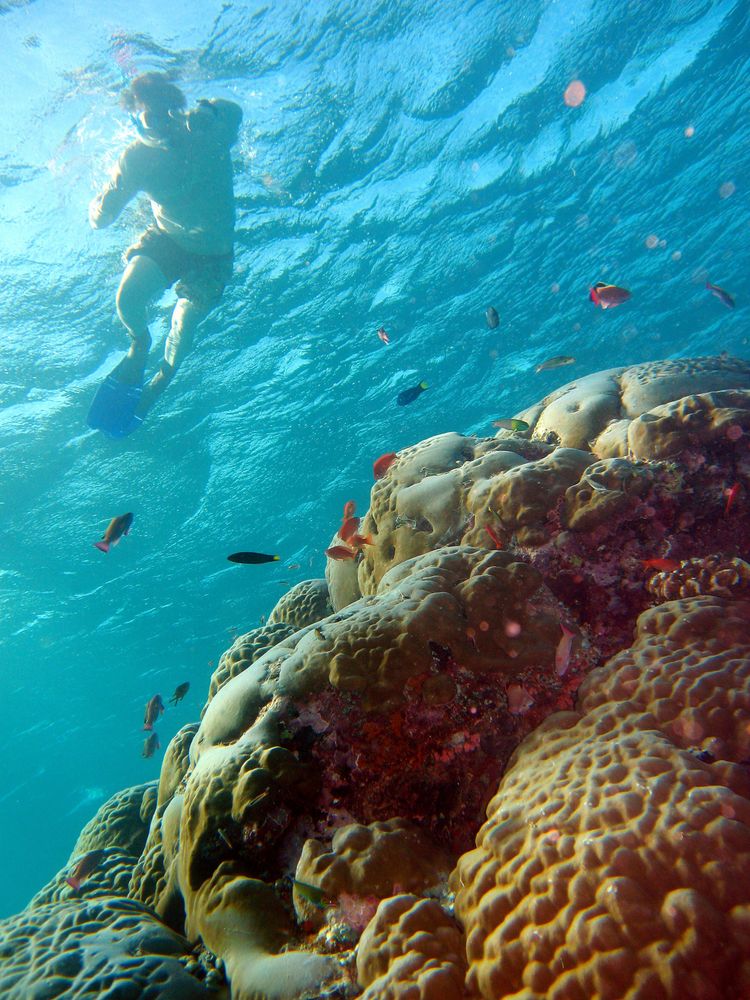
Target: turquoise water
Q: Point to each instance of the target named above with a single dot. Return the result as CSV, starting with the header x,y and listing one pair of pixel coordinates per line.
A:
x,y
401,164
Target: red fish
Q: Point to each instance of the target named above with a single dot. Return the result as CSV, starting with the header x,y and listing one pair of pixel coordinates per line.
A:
x,y
349,508
358,541
87,864
340,552
383,464
116,528
150,744
383,335
721,295
608,296
668,565
154,709
496,541
564,648
348,528
731,495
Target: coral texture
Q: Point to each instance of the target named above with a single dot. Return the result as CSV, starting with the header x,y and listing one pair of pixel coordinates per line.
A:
x,y
306,603
612,857
122,821
244,651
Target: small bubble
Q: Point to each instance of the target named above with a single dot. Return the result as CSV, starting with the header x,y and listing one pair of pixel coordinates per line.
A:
x,y
576,327
575,94
475,167
554,288
689,132
510,51
727,189
484,626
512,629
662,244
651,241
677,255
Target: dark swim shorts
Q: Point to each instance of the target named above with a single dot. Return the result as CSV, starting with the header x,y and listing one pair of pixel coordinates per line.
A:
x,y
201,278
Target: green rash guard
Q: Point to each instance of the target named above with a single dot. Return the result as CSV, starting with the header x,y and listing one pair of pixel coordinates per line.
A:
x,y
189,181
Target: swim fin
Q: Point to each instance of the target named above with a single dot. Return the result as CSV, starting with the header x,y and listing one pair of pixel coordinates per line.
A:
x,y
113,408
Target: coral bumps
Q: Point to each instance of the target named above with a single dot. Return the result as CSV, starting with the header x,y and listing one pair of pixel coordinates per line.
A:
x,y
320,829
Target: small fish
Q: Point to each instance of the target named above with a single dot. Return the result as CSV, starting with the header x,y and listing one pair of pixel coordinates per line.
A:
x,y
359,541
154,709
493,320
383,335
150,744
348,528
251,558
313,894
559,361
116,528
381,465
407,396
721,295
179,692
562,653
341,552
495,540
511,424
667,565
294,566
731,497
608,296
84,867
349,508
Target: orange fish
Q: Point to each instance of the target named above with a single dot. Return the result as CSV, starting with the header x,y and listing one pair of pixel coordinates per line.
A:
x,y
359,540
340,552
348,528
154,708
349,508
731,497
383,335
150,744
608,296
116,528
498,544
88,863
383,464
667,565
562,653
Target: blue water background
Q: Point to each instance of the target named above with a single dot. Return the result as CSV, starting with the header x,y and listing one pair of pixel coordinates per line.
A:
x,y
403,164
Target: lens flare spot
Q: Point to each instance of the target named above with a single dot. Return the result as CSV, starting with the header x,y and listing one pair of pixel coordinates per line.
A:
x,y
689,132
575,94
727,189
651,241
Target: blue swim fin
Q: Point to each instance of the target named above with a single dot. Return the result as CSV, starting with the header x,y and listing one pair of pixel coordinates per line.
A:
x,y
113,408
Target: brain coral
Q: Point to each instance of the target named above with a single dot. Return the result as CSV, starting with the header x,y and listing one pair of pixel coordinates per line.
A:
x,y
612,861
304,604
245,650
93,948
411,950
122,821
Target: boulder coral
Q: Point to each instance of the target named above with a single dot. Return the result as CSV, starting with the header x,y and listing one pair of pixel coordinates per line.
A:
x,y
476,660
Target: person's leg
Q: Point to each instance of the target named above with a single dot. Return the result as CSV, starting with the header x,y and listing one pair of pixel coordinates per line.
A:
x,y
185,320
141,282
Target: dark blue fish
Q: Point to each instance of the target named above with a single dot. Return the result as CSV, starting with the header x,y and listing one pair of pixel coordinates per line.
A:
x,y
409,395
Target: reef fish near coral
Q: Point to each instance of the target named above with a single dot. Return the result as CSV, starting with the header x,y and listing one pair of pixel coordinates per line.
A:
x,y
381,465
721,295
493,320
559,361
511,424
608,296
154,708
150,745
383,335
179,692
407,396
116,528
340,552
563,651
251,558
84,867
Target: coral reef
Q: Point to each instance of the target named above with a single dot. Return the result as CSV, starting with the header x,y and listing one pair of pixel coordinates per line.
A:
x,y
477,658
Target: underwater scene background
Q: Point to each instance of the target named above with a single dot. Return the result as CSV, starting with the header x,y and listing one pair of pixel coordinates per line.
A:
x,y
401,165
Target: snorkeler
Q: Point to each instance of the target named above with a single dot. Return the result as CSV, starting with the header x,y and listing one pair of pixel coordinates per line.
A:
x,y
181,160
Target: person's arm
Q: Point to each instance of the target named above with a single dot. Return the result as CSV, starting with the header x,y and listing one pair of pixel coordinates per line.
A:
x,y
122,186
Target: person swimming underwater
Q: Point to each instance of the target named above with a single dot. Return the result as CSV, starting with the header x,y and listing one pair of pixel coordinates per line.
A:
x,y
181,161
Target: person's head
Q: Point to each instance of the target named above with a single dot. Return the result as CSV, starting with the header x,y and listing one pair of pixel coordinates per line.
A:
x,y
154,103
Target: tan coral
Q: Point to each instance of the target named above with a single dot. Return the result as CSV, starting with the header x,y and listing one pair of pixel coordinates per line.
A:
x,y
691,422
605,492
411,950
372,860
724,576
122,822
612,861
306,603
595,412
244,651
